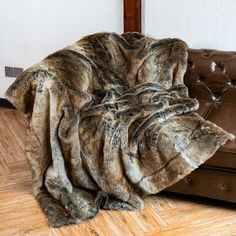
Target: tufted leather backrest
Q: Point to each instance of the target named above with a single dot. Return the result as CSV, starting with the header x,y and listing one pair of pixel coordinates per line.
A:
x,y
211,78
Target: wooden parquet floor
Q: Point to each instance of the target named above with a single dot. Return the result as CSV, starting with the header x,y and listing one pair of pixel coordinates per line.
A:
x,y
164,214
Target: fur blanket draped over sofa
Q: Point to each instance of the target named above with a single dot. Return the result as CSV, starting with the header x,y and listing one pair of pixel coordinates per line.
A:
x,y
110,121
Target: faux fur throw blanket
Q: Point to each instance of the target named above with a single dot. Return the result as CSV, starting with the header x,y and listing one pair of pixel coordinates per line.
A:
x,y
110,121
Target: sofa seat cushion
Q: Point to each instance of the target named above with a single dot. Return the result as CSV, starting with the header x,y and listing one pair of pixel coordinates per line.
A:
x,y
222,159
208,182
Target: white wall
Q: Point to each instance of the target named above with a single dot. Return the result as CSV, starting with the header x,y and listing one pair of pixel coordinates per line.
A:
x,y
201,23
31,29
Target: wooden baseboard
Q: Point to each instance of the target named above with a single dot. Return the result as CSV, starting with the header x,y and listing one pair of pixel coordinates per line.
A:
x,y
6,104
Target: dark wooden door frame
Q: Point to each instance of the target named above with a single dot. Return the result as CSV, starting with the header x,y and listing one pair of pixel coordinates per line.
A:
x,y
132,15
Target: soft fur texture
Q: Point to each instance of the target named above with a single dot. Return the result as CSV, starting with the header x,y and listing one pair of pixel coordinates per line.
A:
x,y
110,121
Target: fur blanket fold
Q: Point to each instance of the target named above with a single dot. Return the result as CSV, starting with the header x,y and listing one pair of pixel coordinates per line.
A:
x,y
110,121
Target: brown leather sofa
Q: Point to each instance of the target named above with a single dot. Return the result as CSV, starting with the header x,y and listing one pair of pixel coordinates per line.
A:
x,y
211,78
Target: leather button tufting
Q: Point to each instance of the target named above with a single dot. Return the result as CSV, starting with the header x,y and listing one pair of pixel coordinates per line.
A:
x,y
206,53
201,79
216,98
213,66
223,187
188,180
221,66
190,64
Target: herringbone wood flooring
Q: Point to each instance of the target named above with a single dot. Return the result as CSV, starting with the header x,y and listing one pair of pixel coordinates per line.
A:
x,y
164,214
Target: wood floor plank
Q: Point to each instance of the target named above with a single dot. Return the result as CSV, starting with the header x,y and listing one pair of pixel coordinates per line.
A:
x,y
67,231
97,226
4,168
15,201
17,179
9,147
164,214
121,223
18,166
16,124
160,203
23,221
180,216
148,219
222,227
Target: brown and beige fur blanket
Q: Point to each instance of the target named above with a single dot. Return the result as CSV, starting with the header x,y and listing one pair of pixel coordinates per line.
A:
x,y
110,121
